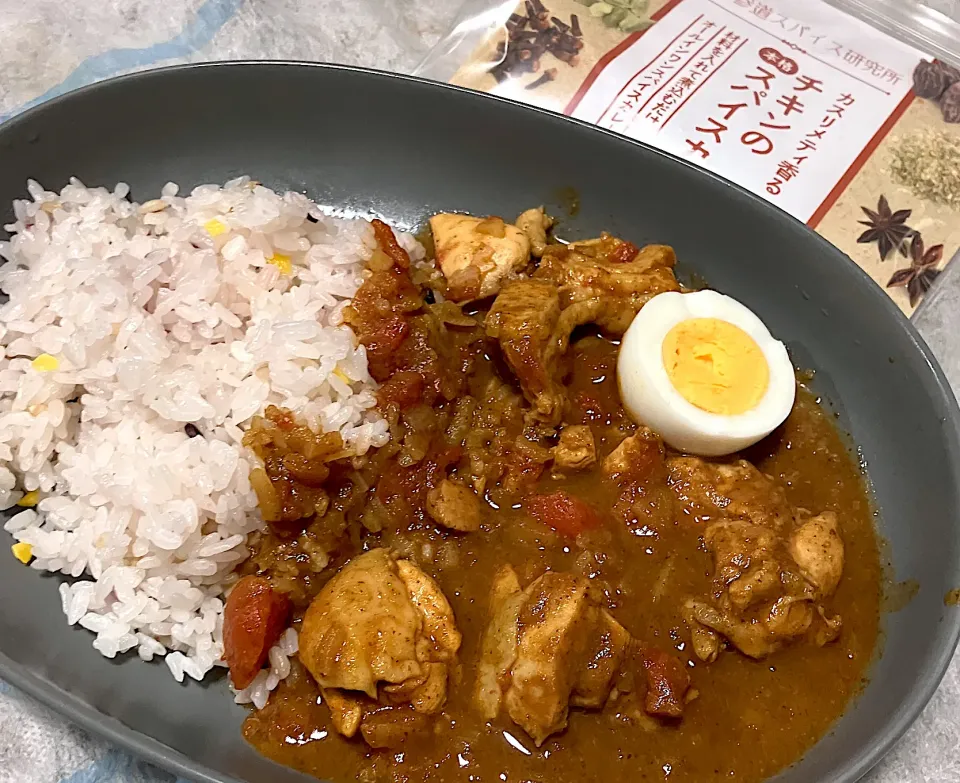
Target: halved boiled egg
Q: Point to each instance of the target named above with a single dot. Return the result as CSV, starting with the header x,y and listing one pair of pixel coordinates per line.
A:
x,y
705,373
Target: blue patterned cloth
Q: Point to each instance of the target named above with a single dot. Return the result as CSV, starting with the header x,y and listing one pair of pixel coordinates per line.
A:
x,y
38,746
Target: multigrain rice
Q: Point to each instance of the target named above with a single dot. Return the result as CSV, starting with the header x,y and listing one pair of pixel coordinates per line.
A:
x,y
137,343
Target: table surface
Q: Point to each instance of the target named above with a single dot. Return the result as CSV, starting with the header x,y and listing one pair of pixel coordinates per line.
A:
x,y
51,46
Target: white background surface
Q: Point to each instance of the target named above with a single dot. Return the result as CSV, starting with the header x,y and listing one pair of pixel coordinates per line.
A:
x,y
50,46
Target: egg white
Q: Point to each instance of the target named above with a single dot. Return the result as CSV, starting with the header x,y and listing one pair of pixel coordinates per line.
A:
x,y
651,399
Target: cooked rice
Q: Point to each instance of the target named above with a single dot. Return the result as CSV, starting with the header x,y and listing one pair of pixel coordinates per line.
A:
x,y
127,322
258,691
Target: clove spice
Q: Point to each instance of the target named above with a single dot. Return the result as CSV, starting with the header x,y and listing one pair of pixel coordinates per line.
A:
x,y
532,35
547,76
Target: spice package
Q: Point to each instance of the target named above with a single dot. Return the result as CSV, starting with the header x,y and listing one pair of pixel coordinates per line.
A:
x,y
844,126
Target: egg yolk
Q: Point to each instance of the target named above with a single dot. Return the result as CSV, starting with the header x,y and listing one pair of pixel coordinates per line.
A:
x,y
715,365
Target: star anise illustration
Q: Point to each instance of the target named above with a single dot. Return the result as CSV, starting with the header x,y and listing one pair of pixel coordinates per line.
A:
x,y
888,229
919,276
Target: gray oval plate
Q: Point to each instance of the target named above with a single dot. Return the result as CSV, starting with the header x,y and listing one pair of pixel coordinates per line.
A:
x,y
403,148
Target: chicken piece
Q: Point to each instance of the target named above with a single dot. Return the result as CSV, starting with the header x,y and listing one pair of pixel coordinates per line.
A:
x,y
576,449
454,506
762,598
388,729
362,628
746,561
773,564
547,647
524,319
636,458
828,629
533,334
498,649
751,638
533,320
568,651
506,585
439,639
709,490
606,248
476,255
379,634
535,223
426,694
817,548
755,613
604,656
346,710
587,271
790,616
707,643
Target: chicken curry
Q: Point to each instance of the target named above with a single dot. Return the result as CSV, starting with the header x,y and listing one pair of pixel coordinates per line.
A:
x,y
525,584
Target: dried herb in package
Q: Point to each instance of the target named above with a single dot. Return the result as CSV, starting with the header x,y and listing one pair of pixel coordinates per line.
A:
x,y
849,130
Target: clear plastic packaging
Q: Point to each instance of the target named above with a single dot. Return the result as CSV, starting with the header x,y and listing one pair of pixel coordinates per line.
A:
x,y
932,27
844,113
477,21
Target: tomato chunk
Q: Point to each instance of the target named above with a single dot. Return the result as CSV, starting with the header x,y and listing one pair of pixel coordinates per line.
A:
x,y
563,512
405,388
253,620
667,683
386,337
389,245
624,253
405,489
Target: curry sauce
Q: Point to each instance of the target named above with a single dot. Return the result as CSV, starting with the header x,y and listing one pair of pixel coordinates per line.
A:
x,y
745,719
525,584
